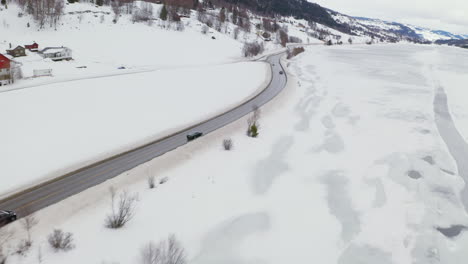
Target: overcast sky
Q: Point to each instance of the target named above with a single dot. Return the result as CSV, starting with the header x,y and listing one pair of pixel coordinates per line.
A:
x,y
451,15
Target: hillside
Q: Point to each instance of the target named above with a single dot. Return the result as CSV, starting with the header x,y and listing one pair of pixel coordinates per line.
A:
x,y
300,9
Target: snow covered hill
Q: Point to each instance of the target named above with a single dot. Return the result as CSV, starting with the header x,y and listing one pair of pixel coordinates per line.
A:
x,y
392,31
345,170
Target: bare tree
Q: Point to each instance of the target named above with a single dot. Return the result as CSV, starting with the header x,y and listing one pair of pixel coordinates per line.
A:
x,y
236,32
227,144
5,235
168,251
40,258
122,209
205,29
60,240
252,49
28,222
283,37
117,9
150,181
143,13
150,254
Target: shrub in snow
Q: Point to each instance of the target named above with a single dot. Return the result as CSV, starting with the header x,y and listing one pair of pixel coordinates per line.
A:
x,y
163,180
205,29
122,210
150,180
168,251
23,247
252,122
253,131
60,240
252,49
227,144
295,39
295,51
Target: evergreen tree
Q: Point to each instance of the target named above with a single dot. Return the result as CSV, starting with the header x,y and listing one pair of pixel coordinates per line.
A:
x,y
3,2
99,2
163,15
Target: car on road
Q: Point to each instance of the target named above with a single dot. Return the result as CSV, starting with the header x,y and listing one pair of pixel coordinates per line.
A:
x,y
194,135
7,217
281,72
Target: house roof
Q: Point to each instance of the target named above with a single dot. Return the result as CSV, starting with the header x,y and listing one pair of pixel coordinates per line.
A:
x,y
18,47
4,57
4,61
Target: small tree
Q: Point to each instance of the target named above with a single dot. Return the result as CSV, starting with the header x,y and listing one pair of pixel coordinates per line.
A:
x,y
350,41
164,13
122,210
28,222
60,240
252,122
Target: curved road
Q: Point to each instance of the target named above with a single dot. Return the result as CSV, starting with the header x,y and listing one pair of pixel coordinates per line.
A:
x,y
53,191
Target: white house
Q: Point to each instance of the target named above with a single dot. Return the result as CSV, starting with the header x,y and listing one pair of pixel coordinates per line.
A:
x,y
56,53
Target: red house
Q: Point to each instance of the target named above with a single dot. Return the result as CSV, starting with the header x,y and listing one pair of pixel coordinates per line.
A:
x,y
5,70
32,47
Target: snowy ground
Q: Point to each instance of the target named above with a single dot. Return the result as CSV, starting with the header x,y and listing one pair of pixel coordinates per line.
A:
x,y
349,168
59,127
100,45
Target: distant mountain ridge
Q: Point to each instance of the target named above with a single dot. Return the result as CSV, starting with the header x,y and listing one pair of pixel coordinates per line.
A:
x,y
378,29
392,31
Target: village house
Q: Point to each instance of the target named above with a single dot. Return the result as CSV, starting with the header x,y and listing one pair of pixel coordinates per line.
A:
x,y
17,52
33,47
56,53
5,71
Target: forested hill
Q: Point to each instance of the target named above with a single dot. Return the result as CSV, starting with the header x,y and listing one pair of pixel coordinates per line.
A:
x,y
300,9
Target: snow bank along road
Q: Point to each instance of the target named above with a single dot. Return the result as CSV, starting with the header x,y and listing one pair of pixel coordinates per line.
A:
x,y
51,192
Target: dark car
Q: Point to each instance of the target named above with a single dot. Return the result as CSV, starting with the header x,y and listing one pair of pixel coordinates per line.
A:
x,y
194,135
281,72
7,217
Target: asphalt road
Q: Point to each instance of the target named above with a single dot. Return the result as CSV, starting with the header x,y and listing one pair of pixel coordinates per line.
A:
x,y
53,191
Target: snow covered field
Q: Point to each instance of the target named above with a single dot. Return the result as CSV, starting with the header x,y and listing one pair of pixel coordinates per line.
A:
x,y
102,47
60,127
349,168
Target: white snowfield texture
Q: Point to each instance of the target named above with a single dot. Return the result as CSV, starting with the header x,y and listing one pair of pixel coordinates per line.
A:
x,y
52,129
349,168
